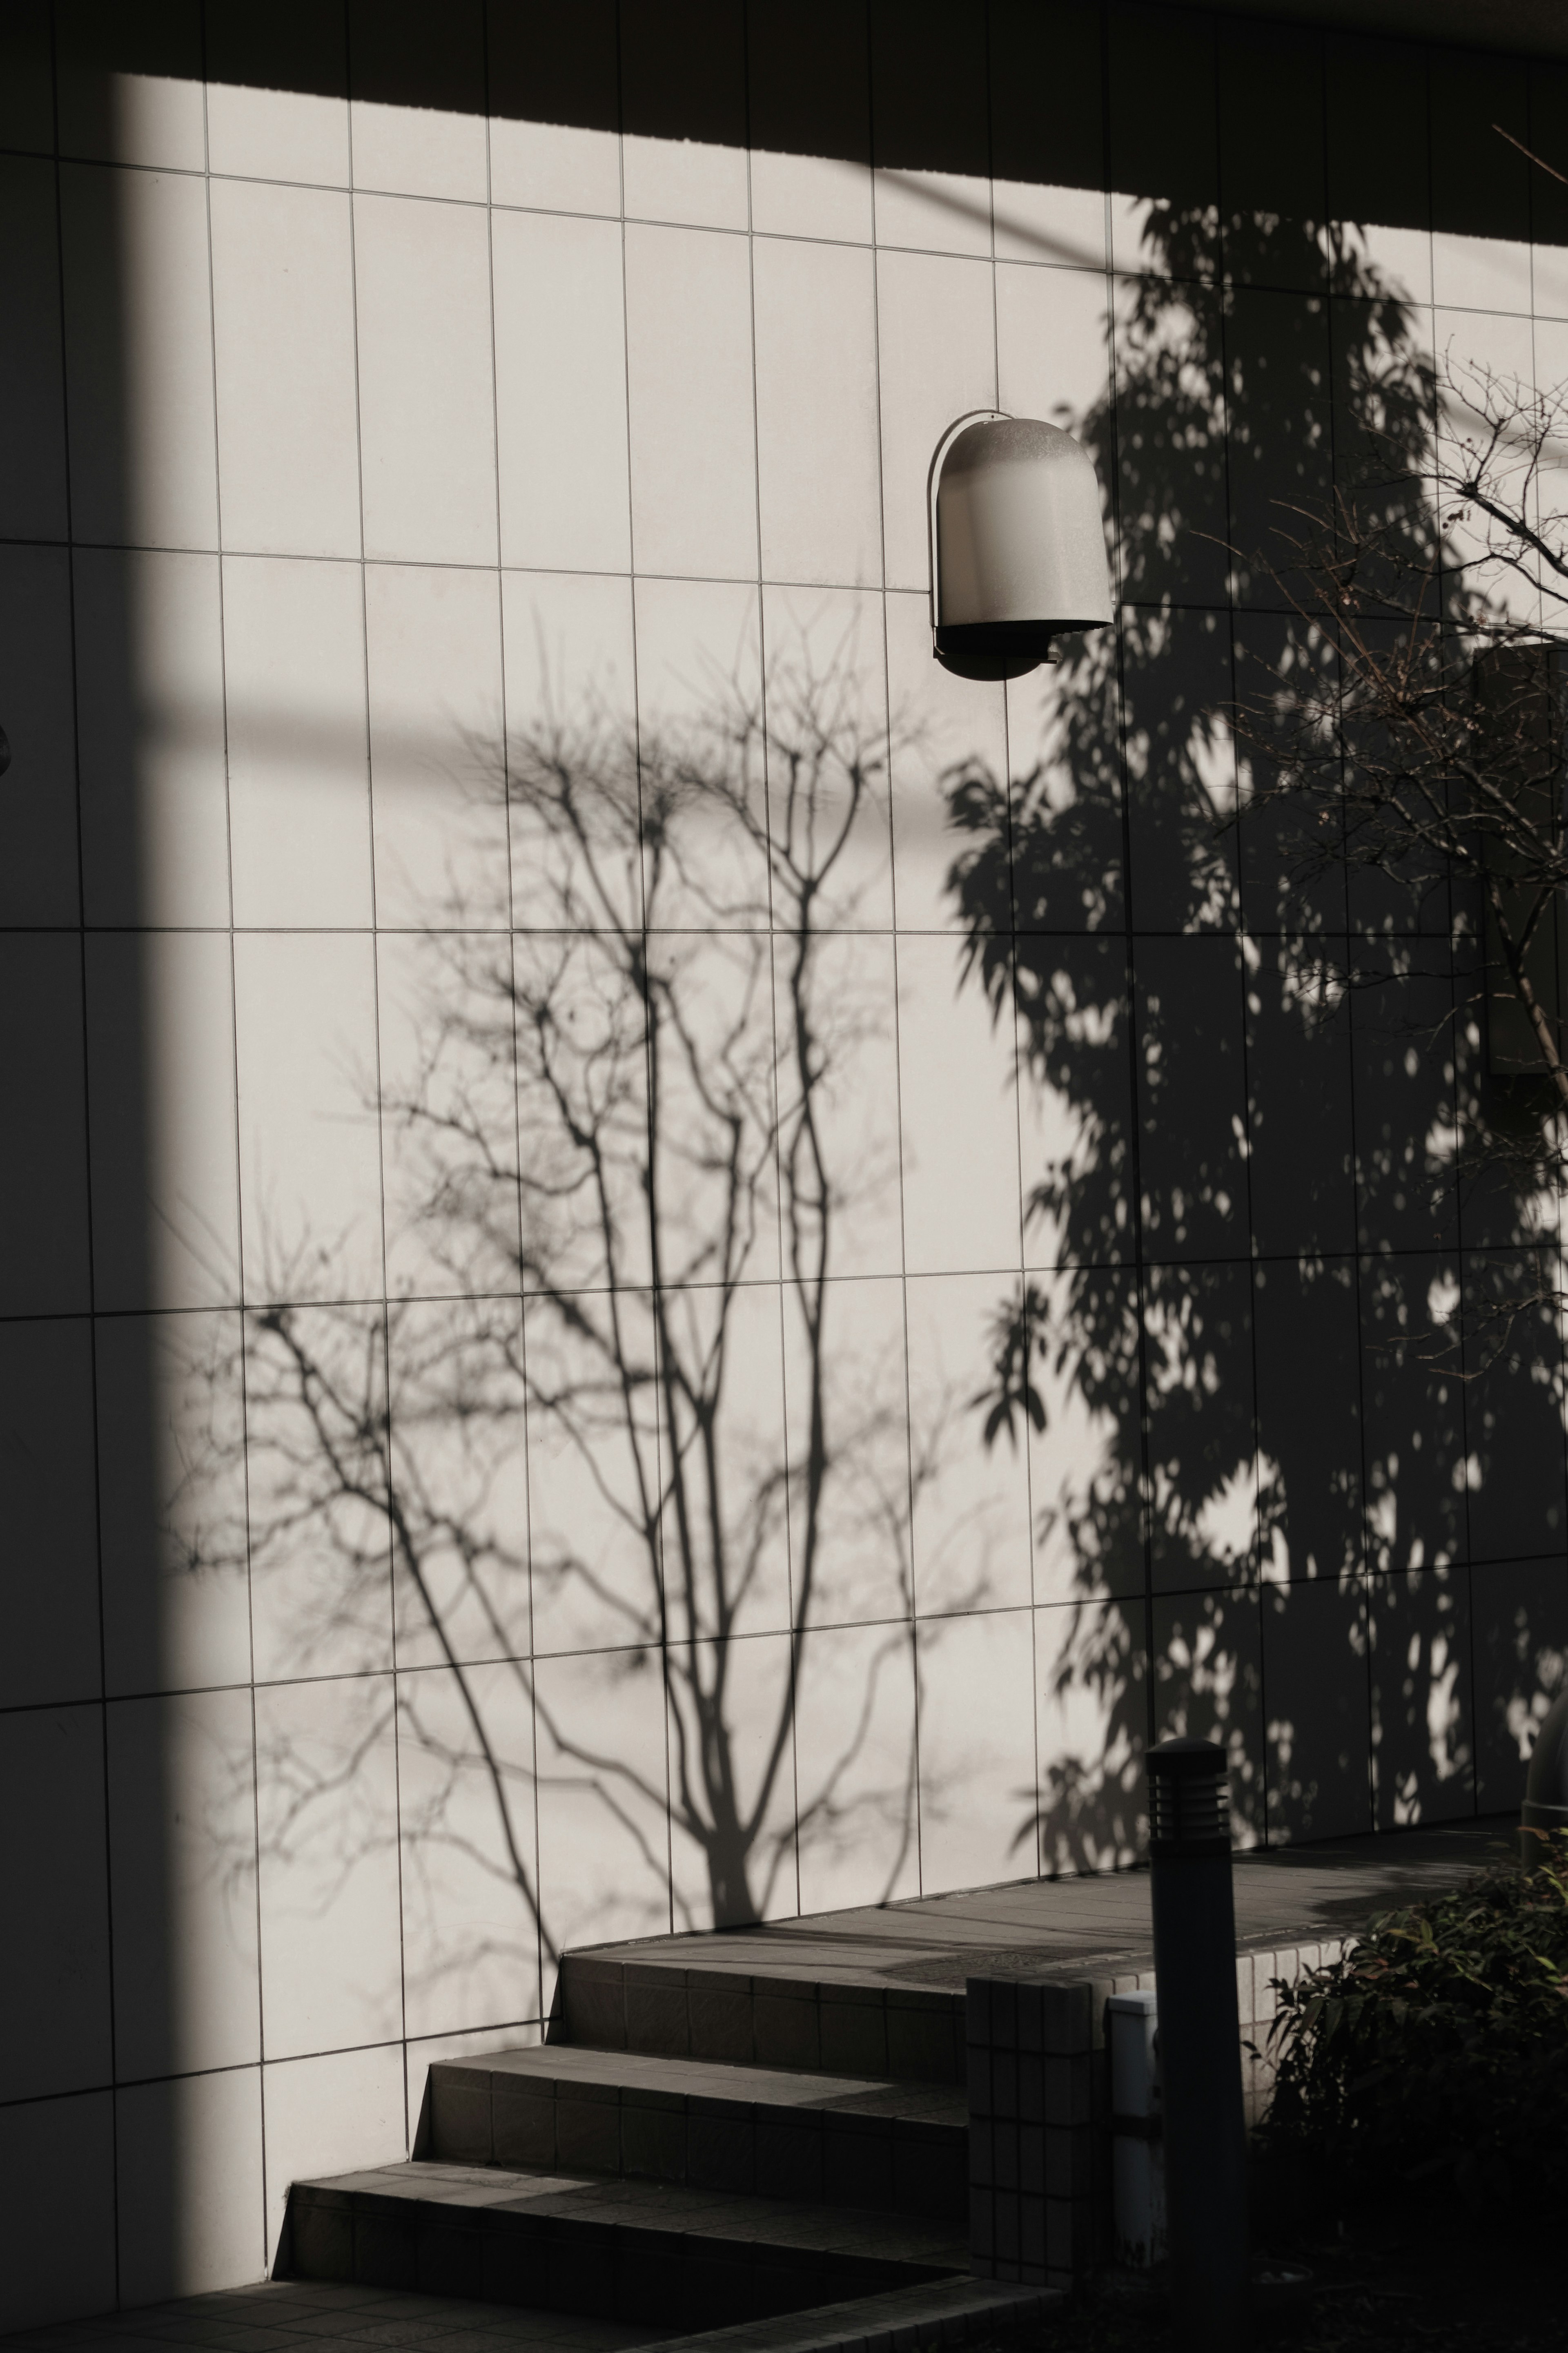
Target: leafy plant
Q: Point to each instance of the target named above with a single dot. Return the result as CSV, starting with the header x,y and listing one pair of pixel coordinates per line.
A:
x,y
1437,2049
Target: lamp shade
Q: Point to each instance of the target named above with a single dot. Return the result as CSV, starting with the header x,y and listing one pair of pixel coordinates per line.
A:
x,y
1017,545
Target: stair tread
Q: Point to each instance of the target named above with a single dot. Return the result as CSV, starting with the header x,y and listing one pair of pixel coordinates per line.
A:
x,y
657,2206
928,2313
638,2073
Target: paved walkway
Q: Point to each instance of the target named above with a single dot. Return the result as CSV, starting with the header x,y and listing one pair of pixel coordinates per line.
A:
x,y
1284,1895
278,2315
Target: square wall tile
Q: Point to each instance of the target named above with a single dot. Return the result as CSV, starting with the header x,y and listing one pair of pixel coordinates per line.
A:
x,y
298,788
683,95
1414,1411
847,1407
26,112
555,98
1047,159
1085,1456
449,1121
702,758
1272,152
587,1218
331,1963
1518,1622
958,1080
1192,1097
437,756
322,2116
161,1089
1513,1430
1301,1173
171,1476
51,1505
977,1755
1053,347
33,498
1402,1046
1317,1709
139,356
733,1781
948,750
931,126
1091,1669
937,359
970,1497
427,434
1201,1460
1163,138
150,733
1075,1100
56,2175
561,392
309,1167
44,1268
828,757
456,1414
288,422
182,1852
818,464
1307,1346
149,117
725,1542
194,2146
688,363
841,1200
809,120
569,653
593,1476
321,1595
39,876
1423,1736
1174,522
417,99
604,1800
1205,1653
54,1854
855,1766
276,92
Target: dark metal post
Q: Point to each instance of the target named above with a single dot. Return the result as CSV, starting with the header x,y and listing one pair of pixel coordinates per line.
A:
x,y
1200,2043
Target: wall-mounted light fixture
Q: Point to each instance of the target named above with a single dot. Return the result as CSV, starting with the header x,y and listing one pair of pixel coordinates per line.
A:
x,y
1017,546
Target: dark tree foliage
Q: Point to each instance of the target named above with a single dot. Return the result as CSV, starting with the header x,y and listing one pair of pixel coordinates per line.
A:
x,y
1437,2051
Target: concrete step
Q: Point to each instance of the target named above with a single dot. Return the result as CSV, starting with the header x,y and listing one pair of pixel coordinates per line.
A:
x,y
755,2131
827,2025
948,2312
680,2259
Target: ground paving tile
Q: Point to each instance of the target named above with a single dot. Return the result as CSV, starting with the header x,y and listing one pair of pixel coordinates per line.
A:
x,y
1283,1893
326,2318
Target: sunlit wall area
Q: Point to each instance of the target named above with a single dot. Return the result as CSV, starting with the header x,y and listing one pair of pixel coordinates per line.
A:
x,y
659,1265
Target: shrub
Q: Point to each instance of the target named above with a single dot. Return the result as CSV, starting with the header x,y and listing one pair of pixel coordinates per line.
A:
x,y
1437,2047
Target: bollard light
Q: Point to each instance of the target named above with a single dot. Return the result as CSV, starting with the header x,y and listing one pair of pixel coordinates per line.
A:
x,y
1017,545
1545,1806
1200,2043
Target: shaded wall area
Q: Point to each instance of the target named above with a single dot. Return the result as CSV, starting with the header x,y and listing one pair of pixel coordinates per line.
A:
x,y
562,1074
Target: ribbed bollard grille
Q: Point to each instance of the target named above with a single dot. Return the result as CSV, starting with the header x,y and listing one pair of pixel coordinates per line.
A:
x,y
1187,1808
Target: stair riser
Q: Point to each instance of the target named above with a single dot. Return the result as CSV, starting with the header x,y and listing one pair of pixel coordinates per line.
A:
x,y
669,2013
597,2270
477,2117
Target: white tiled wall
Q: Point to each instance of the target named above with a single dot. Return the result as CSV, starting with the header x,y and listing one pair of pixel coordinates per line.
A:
x,y
347,446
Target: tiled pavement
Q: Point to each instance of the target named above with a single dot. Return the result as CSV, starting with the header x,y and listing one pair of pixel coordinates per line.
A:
x,y
1283,1893
278,2315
